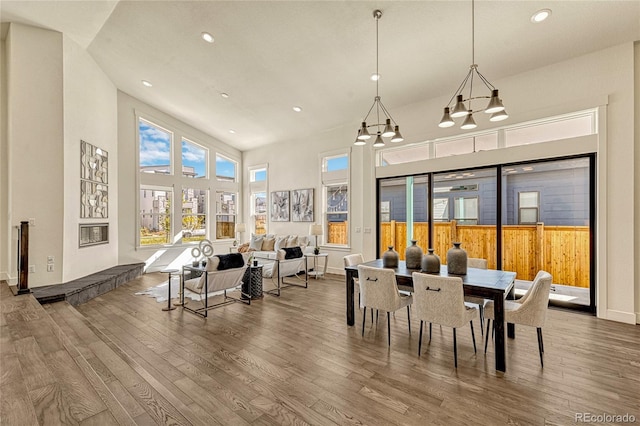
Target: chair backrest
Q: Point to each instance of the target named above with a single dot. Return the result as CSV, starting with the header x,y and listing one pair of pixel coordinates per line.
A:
x,y
439,299
528,292
378,288
533,310
353,259
476,262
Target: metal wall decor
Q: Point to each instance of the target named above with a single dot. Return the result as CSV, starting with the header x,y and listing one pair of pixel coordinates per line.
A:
x,y
280,206
302,205
94,176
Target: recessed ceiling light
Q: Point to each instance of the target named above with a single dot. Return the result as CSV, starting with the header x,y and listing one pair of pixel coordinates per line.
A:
x,y
207,37
375,77
146,83
297,109
224,95
231,131
540,15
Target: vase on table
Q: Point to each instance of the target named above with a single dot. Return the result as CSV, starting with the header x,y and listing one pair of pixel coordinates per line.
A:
x,y
413,256
457,260
431,263
390,258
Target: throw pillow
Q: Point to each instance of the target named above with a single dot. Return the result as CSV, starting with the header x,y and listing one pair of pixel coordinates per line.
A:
x,y
292,252
303,242
281,242
280,254
243,248
212,263
229,261
268,244
292,241
256,242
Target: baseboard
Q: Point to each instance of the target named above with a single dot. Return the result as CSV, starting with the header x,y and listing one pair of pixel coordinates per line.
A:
x,y
619,316
637,317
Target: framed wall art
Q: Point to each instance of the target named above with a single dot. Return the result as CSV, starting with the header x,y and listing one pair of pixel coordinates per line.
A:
x,y
280,206
94,163
302,205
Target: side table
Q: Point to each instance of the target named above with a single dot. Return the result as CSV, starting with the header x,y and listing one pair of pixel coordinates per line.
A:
x,y
252,282
316,273
170,272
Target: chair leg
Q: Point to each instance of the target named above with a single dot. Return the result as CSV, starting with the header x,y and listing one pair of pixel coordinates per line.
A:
x,y
481,310
409,319
455,349
364,317
540,346
473,337
430,326
372,315
420,340
486,336
389,328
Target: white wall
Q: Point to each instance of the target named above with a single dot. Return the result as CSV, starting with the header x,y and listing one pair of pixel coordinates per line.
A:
x,y
571,85
4,178
35,146
90,114
156,258
637,175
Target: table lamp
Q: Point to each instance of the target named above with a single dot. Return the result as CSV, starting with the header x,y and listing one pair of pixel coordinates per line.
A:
x,y
240,228
315,230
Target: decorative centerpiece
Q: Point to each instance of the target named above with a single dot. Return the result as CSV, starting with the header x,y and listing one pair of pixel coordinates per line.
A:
x,y
431,263
413,256
390,258
457,260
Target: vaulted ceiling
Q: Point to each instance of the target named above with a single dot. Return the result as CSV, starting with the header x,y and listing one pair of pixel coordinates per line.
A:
x,y
269,56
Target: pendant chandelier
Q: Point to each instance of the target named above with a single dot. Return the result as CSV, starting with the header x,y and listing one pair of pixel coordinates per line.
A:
x,y
494,107
382,130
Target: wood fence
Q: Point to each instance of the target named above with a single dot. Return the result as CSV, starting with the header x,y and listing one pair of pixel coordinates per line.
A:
x,y
563,251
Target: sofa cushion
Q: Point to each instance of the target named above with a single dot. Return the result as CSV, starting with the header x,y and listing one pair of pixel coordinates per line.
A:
x,y
212,263
280,243
292,241
268,243
229,261
292,252
256,242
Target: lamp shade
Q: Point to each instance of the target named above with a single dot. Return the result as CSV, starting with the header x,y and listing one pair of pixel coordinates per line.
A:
x,y
378,142
495,104
459,110
240,227
315,229
469,122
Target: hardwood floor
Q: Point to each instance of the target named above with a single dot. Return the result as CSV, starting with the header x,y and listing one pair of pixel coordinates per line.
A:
x,y
120,359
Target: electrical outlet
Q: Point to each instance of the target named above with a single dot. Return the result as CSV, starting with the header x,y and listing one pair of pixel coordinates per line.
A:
x,y
50,259
357,229
367,230
50,267
32,269
32,221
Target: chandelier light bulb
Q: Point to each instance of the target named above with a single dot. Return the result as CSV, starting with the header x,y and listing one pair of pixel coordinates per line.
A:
x,y
375,76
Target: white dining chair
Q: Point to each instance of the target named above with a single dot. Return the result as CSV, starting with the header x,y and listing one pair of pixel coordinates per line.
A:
x,y
440,300
530,309
379,290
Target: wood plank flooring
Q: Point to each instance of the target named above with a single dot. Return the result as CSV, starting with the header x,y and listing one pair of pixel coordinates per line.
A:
x,y
120,359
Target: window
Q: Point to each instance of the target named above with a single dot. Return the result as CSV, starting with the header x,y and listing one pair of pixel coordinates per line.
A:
x,y
155,216
225,169
528,207
258,198
335,183
194,214
194,160
225,214
466,210
155,148
441,209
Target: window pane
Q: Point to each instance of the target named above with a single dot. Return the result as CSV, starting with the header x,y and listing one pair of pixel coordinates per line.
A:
x,y
155,217
454,147
225,169
406,155
260,212
466,209
528,215
258,175
393,225
543,132
441,209
336,163
194,214
337,214
225,214
155,148
528,199
194,160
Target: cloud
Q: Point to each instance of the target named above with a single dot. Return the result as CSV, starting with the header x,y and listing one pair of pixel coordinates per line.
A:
x,y
192,153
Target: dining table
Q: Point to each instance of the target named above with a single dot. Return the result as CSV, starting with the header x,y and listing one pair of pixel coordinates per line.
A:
x,y
490,284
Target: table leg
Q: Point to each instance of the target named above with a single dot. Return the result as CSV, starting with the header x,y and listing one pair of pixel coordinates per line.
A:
x,y
500,348
169,307
350,310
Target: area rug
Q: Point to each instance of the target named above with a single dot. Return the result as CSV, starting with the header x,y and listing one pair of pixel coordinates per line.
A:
x,y
160,292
